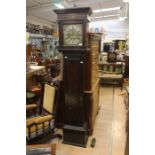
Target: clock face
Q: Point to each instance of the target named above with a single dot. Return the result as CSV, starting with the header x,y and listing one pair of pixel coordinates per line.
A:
x,y
72,35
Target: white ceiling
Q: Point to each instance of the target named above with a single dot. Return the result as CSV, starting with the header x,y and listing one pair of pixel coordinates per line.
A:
x,y
44,8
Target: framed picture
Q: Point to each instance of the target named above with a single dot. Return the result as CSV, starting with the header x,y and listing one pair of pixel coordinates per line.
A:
x,y
112,57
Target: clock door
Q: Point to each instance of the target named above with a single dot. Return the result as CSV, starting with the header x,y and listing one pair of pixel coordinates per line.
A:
x,y
73,87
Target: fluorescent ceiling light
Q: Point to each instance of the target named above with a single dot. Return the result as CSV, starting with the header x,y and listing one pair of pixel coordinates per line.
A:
x,y
98,17
126,1
60,6
112,15
122,18
105,10
107,16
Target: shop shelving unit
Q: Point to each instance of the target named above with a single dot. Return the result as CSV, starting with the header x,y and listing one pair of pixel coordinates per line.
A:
x,y
40,36
111,73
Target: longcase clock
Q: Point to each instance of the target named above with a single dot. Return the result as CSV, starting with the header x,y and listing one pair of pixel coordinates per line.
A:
x,y
73,43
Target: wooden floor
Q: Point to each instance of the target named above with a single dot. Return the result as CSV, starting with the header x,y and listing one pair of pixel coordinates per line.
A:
x,y
109,128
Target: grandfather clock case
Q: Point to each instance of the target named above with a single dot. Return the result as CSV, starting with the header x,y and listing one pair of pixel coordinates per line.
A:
x,y
73,43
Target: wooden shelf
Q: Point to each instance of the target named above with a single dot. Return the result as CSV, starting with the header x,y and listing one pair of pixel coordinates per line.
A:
x,y
40,36
107,63
106,72
111,72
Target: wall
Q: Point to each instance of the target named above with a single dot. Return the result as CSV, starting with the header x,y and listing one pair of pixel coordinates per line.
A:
x,y
113,29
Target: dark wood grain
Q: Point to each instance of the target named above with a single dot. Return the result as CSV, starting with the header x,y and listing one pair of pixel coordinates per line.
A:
x,y
80,79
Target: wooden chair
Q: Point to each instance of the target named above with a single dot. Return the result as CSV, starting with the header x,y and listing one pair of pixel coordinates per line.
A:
x,y
43,122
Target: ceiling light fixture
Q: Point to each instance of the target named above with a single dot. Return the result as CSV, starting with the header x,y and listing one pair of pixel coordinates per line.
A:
x,y
98,17
112,15
60,6
122,18
107,16
107,9
125,1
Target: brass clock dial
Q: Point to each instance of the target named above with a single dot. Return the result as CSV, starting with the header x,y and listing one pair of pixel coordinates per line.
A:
x,y
72,35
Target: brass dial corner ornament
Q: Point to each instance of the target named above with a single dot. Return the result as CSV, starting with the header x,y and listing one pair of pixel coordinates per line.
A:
x,y
72,35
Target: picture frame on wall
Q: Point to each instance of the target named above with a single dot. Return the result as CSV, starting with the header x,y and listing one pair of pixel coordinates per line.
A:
x,y
112,57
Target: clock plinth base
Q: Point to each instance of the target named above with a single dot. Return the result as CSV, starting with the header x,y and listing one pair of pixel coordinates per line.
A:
x,y
74,135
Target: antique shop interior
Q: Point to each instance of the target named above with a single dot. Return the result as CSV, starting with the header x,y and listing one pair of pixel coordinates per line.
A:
x,y
77,77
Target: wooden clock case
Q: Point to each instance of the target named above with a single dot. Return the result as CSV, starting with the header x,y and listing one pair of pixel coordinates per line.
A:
x,y
77,105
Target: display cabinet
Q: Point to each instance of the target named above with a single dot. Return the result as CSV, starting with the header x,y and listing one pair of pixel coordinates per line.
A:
x,y
111,73
91,93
